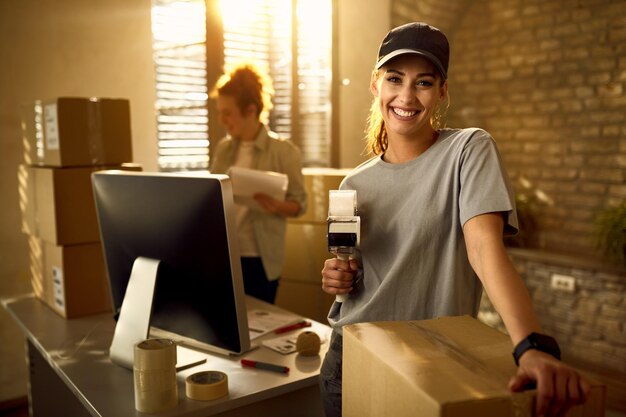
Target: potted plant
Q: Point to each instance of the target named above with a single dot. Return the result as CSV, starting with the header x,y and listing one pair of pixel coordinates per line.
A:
x,y
529,201
609,233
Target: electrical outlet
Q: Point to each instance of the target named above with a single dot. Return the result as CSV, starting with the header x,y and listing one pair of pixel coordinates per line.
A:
x,y
563,283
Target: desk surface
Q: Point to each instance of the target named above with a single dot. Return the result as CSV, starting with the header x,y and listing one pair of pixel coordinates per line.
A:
x,y
77,350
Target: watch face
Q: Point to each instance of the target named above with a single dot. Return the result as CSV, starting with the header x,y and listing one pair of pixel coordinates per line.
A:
x,y
545,343
541,342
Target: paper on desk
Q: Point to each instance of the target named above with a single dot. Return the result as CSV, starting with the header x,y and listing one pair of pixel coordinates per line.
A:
x,y
246,182
262,322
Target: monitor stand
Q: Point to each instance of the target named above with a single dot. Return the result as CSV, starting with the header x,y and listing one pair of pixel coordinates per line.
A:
x,y
133,323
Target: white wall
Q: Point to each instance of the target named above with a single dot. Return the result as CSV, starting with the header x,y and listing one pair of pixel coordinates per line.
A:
x,y
62,48
362,26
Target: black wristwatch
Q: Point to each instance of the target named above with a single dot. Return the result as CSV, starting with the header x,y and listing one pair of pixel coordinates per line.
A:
x,y
537,341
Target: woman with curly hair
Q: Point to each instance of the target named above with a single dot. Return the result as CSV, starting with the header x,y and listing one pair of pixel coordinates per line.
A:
x,y
244,98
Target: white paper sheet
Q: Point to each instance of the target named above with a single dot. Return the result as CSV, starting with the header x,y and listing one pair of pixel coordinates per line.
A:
x,y
247,182
262,322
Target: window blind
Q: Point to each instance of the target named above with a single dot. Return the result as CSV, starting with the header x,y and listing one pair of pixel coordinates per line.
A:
x,y
302,75
291,39
179,35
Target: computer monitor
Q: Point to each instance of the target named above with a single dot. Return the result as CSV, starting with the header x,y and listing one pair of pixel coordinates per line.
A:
x,y
186,222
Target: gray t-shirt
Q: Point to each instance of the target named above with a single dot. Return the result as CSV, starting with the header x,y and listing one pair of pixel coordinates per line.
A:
x,y
412,250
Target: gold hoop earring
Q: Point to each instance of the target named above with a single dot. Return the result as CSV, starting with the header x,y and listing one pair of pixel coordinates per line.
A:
x,y
440,118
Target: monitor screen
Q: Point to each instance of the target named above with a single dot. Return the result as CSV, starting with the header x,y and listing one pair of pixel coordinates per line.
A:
x,y
185,221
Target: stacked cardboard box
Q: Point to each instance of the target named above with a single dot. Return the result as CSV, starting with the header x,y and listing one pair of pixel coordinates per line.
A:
x,y
65,140
446,367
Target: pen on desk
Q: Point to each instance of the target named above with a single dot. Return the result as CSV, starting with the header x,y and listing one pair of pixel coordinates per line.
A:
x,y
295,326
190,365
264,365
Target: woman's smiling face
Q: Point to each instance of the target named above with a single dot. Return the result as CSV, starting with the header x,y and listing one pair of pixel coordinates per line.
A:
x,y
408,88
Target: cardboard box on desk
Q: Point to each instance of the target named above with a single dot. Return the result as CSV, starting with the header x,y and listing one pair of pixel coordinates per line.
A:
x,y
57,204
77,131
306,250
304,298
447,367
71,280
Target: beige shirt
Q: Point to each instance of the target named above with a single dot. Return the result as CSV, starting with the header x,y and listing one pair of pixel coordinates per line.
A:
x,y
271,153
248,246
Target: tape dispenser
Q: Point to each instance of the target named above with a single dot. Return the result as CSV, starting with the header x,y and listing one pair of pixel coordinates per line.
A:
x,y
344,226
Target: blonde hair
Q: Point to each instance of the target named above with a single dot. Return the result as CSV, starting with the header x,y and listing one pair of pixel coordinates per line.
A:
x,y
376,134
247,84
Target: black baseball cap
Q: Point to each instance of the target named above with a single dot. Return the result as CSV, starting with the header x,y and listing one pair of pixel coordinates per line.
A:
x,y
416,38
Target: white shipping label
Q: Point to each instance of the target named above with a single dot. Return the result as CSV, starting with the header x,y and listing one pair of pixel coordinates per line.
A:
x,y
52,127
58,288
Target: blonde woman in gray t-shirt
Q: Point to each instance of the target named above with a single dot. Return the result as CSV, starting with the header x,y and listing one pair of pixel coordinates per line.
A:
x,y
434,204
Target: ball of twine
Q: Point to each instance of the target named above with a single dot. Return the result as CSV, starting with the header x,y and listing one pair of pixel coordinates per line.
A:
x,y
308,343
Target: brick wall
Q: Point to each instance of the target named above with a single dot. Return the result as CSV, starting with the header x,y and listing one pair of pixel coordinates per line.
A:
x,y
588,322
548,79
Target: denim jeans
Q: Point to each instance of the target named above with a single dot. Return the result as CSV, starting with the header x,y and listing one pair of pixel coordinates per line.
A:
x,y
255,281
330,377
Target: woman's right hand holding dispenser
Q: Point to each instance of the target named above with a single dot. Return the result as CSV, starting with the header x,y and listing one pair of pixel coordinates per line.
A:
x,y
338,276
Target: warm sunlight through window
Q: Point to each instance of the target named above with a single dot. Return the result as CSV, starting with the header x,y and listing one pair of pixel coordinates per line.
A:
x,y
266,33
233,15
179,36
293,45
178,22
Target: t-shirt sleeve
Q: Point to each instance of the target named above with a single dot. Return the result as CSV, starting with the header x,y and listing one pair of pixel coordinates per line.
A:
x,y
485,186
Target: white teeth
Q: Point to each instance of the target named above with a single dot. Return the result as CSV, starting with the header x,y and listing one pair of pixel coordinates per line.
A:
x,y
403,113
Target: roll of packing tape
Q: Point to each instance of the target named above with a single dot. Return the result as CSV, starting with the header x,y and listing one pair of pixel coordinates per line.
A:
x,y
154,372
206,385
155,354
341,202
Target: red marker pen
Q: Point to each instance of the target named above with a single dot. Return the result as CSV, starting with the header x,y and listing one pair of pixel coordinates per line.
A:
x,y
264,365
295,326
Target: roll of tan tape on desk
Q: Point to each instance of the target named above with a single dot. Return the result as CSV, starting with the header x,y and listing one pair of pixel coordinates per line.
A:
x,y
207,385
154,372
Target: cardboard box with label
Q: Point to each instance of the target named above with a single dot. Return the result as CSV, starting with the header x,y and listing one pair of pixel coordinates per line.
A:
x,y
77,131
71,280
57,204
446,367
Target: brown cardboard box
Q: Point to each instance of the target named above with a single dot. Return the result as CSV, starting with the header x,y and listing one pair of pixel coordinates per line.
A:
x,y
77,131
71,280
307,249
447,367
57,204
304,298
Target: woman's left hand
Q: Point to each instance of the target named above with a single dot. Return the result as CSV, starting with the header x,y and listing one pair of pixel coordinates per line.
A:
x,y
267,203
287,208
559,386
